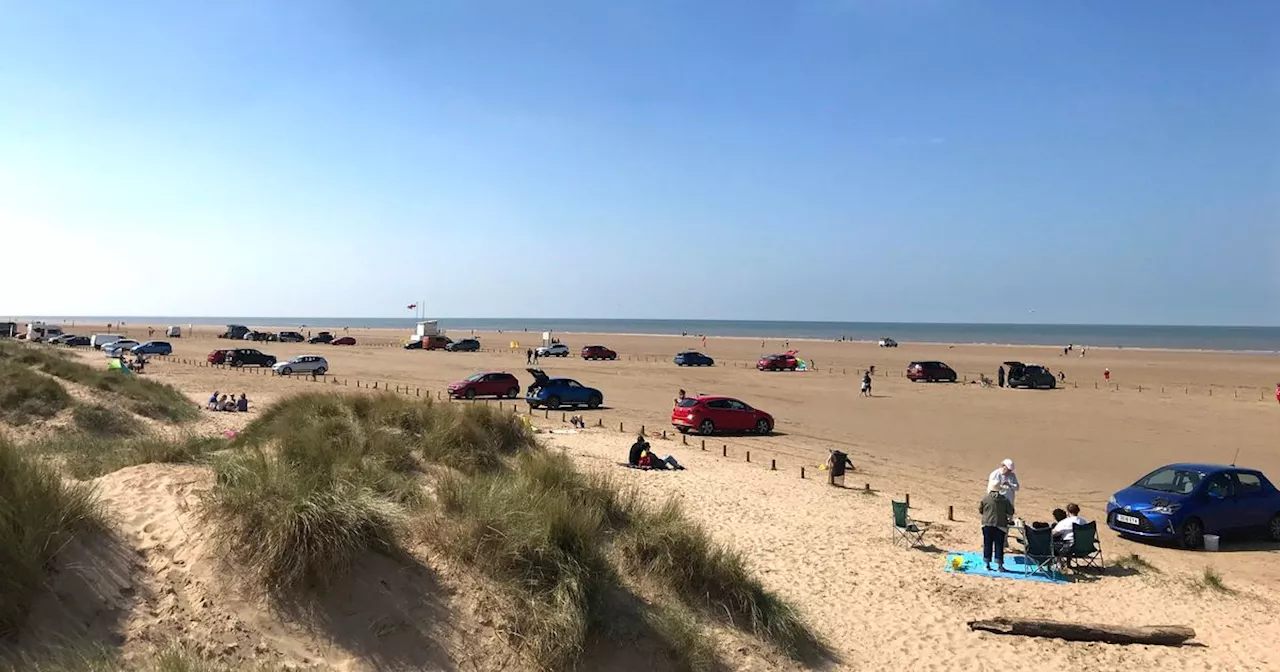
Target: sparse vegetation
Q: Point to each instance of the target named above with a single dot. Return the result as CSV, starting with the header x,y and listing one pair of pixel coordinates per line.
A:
x,y
1212,580
39,515
87,456
171,658
683,638
1136,563
25,394
101,421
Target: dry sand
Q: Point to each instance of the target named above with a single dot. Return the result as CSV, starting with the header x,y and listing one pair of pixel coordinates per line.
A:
x,y
828,549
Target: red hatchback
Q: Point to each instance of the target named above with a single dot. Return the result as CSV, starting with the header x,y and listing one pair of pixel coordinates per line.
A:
x,y
598,352
218,357
486,385
345,340
785,362
719,414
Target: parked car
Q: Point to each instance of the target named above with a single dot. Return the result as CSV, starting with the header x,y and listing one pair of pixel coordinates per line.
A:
x,y
556,392
413,345
235,332
692,358
888,343
709,414
98,341
322,337
778,363
218,357
59,339
290,337
553,350
436,342
598,352
1029,376
492,384
115,348
345,340
930,372
260,336
465,345
1183,502
308,364
152,348
76,341
249,357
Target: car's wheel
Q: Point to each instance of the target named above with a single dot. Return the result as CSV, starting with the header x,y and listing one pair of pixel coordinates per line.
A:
x,y
707,427
594,401
1273,530
1191,535
284,371
471,393
763,427
513,393
952,379
320,371
553,403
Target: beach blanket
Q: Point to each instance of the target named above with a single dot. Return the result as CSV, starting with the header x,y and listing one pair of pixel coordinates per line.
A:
x,y
971,563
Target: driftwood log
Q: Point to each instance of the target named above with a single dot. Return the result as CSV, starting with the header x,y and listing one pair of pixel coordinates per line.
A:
x,y
1167,635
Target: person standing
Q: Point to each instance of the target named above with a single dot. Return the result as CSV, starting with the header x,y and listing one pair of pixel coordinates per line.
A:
x,y
1106,375
1004,480
996,511
1000,376
528,356
866,384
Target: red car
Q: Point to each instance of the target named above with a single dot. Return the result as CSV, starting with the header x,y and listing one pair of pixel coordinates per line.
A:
x,y
719,414
345,340
785,362
598,352
486,385
218,357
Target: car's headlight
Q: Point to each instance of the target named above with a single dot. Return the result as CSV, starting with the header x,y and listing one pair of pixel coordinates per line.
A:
x,y
1166,510
1112,501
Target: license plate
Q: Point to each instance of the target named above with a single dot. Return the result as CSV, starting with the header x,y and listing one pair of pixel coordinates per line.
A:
x,y
1127,520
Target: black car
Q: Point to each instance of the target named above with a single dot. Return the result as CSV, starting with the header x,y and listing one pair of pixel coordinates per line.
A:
x,y
290,337
1030,376
930,372
75,341
465,345
322,337
413,345
250,357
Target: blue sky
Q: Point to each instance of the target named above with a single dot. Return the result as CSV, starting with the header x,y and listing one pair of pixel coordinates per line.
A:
x,y
922,160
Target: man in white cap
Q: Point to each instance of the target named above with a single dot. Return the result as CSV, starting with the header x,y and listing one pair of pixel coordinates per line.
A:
x,y
1004,480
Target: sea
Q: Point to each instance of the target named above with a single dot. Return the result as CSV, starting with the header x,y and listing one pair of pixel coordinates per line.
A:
x,y
1244,339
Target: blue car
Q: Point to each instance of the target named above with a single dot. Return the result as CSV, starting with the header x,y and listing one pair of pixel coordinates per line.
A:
x,y
692,358
556,392
152,348
1183,502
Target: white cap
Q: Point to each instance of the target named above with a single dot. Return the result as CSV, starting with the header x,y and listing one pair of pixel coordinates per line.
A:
x,y
1008,464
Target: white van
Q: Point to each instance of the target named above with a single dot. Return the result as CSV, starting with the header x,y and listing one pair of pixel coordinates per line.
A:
x,y
39,331
99,340
174,332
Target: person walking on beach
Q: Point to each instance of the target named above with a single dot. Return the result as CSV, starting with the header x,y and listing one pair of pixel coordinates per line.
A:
x,y
1000,376
528,356
1004,480
866,384
996,511
1106,375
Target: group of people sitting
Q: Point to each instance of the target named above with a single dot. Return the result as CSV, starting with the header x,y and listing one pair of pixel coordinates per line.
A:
x,y
223,403
641,457
1063,532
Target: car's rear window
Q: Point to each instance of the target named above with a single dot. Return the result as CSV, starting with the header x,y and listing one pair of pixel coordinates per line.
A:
x,y
687,403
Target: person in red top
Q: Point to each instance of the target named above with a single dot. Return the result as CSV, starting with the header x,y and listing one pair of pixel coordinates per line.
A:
x,y
1106,374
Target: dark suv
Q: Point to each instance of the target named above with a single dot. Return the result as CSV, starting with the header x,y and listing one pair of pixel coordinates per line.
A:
x,y
465,345
1030,376
598,352
290,337
249,357
930,372
322,337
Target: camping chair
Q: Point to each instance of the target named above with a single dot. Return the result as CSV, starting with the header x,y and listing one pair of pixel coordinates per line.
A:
x,y
911,532
1085,551
1038,549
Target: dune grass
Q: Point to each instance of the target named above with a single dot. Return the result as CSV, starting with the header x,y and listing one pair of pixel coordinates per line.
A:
x,y
684,639
101,421
170,658
1212,580
1136,563
39,515
145,397
26,395
86,456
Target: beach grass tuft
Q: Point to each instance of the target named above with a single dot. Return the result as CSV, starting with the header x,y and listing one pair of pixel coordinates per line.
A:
x,y
39,515
1136,563
102,421
1212,580
26,395
86,456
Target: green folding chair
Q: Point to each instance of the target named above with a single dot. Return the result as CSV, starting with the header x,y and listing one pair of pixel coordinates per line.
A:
x,y
1086,549
909,532
1038,551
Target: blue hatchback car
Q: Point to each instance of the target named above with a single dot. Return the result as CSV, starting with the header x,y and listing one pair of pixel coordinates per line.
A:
x,y
557,392
152,348
693,358
1182,502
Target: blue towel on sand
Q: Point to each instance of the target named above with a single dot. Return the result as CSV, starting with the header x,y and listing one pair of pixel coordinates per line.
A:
x,y
1017,565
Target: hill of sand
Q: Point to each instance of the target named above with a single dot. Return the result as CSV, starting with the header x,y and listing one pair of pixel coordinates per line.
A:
x,y
828,549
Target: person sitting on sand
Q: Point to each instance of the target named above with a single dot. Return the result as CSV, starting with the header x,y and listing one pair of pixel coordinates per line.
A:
x,y
222,403
637,450
213,401
242,405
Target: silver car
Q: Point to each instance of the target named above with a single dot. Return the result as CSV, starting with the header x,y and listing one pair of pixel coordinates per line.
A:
x,y
116,348
308,364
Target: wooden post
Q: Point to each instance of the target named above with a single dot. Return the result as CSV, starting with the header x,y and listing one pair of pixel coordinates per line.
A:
x,y
908,495
562,417
802,473
748,456
642,429
951,512
704,444
599,422
546,414
773,465
1166,635
620,427
724,450
684,440
664,433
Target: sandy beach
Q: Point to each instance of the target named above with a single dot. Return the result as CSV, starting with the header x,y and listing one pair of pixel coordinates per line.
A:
x,y
829,549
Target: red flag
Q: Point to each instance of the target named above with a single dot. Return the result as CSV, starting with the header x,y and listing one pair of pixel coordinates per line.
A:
x,y
412,306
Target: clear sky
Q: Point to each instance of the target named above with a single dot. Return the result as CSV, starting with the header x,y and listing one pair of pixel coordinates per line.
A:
x,y
915,160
